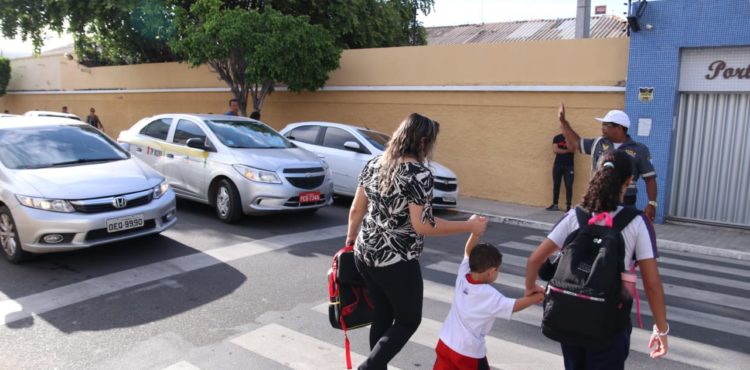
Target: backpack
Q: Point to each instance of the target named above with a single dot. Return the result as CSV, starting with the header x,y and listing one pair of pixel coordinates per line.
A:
x,y
349,303
584,303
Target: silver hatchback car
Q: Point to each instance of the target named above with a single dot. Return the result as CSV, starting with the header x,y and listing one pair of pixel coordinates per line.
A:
x,y
235,164
64,185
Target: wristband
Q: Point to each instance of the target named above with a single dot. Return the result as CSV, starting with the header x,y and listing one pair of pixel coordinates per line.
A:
x,y
661,333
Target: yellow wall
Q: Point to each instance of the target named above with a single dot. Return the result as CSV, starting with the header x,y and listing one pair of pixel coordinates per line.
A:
x,y
498,143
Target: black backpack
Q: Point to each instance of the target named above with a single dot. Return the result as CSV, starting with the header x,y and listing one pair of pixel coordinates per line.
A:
x,y
349,303
584,305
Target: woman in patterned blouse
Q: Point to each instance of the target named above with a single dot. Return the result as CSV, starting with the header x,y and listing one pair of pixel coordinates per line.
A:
x,y
392,206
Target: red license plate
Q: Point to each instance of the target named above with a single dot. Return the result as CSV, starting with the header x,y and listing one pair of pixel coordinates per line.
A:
x,y
309,197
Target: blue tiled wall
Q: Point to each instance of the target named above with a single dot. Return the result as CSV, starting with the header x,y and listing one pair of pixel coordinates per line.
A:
x,y
654,61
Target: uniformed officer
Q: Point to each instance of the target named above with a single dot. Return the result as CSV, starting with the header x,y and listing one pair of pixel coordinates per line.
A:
x,y
615,136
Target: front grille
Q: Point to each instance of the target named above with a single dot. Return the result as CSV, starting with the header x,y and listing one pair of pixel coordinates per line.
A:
x,y
99,234
445,184
306,182
294,202
442,201
303,170
105,204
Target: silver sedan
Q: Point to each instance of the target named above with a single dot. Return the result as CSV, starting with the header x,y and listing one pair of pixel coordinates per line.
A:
x,y
235,164
64,185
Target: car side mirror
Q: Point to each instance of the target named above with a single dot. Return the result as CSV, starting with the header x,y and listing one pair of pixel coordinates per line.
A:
x,y
353,146
196,143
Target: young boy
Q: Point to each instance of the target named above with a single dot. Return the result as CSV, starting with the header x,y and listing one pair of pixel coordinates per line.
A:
x,y
475,305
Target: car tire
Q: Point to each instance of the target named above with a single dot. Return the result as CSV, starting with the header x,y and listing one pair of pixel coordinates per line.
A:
x,y
227,202
10,243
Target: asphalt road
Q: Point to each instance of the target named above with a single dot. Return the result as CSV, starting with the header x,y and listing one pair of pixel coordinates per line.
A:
x,y
206,295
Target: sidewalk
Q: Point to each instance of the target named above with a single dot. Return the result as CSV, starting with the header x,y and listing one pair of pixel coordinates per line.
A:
x,y
700,239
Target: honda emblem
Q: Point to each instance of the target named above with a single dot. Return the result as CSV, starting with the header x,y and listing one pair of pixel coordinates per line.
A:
x,y
119,202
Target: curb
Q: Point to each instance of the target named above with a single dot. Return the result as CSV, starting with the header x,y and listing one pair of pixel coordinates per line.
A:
x,y
664,244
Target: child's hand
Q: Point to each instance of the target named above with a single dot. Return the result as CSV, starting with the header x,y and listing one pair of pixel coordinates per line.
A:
x,y
538,298
478,224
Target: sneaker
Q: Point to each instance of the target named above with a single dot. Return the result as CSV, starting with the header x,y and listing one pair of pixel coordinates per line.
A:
x,y
553,207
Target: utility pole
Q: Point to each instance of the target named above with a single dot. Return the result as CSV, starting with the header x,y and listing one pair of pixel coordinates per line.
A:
x,y
583,19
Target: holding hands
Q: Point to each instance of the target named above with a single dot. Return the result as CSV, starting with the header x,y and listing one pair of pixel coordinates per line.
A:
x,y
478,224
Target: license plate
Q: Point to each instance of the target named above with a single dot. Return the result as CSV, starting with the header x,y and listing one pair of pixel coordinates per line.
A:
x,y
309,197
449,199
124,223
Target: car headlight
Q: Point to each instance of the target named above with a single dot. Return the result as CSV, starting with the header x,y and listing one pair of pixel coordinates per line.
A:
x,y
254,174
53,205
160,189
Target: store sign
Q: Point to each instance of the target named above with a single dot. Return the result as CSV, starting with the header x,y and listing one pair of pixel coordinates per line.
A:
x,y
715,69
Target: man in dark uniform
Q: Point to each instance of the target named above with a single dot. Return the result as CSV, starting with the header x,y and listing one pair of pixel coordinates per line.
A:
x,y
562,169
615,136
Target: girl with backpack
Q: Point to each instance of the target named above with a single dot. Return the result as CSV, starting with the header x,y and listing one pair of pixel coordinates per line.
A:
x,y
392,206
602,203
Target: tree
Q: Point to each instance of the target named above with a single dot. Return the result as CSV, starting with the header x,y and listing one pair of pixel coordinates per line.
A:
x,y
109,32
253,51
4,74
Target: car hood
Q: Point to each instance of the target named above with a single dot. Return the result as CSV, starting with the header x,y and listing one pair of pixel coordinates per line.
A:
x,y
440,170
274,159
91,180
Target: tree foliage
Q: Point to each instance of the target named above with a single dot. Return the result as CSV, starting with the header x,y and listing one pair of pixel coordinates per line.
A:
x,y
111,32
252,51
4,74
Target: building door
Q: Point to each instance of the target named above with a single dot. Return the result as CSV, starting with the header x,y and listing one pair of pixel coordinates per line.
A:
x,y
711,167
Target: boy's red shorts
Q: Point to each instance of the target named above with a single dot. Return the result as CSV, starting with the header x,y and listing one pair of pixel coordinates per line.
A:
x,y
448,359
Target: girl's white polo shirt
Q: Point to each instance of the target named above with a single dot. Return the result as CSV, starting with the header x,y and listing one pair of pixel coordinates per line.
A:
x,y
472,314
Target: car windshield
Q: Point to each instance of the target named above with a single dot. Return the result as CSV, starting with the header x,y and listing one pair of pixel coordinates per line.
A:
x,y
378,139
56,146
247,134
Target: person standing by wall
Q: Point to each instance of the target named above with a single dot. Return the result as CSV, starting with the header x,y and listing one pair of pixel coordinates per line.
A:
x,y
563,168
615,136
389,217
65,109
93,120
234,108
603,197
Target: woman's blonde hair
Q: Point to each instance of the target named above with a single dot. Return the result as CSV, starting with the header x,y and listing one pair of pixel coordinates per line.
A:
x,y
415,137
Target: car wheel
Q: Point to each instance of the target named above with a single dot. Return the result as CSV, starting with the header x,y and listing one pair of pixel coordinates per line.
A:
x,y
227,202
9,240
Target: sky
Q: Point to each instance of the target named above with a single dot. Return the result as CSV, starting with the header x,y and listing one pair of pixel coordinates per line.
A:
x,y
445,13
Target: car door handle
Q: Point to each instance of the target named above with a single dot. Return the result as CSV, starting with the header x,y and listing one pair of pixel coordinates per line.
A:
x,y
170,155
321,156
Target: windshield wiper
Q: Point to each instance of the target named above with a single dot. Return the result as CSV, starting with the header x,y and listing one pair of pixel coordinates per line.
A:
x,y
84,160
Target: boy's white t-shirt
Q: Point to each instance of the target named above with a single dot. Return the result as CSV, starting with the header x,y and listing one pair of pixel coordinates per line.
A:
x,y
472,314
639,236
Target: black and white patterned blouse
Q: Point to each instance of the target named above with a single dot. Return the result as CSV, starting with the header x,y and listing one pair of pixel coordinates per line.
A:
x,y
387,235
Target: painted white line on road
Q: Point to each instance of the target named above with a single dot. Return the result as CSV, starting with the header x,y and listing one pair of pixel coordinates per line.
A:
x,y
501,353
682,350
663,271
35,304
294,349
182,365
678,314
535,238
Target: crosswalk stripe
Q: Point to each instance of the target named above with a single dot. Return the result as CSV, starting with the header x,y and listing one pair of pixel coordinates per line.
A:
x,y
670,260
535,238
680,349
182,365
677,314
500,353
294,349
663,271
24,307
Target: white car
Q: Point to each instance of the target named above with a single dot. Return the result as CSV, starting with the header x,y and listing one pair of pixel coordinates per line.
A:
x,y
347,149
235,164
64,185
42,113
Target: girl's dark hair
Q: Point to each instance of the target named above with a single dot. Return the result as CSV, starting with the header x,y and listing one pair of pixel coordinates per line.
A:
x,y
605,187
415,137
484,256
